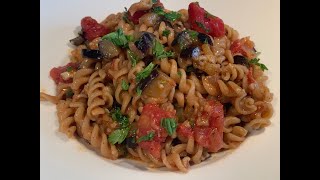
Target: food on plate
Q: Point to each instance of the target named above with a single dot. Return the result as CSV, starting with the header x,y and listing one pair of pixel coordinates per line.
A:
x,y
166,87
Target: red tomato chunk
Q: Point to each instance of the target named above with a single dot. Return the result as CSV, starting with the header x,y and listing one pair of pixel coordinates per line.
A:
x,y
92,29
55,72
149,121
202,21
210,137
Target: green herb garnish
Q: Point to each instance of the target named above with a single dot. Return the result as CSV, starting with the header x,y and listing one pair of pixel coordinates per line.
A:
x,y
202,26
147,137
118,136
179,73
171,16
139,91
69,93
145,72
256,62
166,32
132,57
124,85
159,52
169,124
118,38
69,69
125,17
193,34
121,119
154,1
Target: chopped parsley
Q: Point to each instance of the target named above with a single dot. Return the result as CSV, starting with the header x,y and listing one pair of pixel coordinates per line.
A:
x,y
154,1
256,62
124,85
118,136
193,34
169,124
159,52
69,69
145,72
202,26
166,33
118,38
132,57
171,16
179,73
147,137
121,119
139,91
125,17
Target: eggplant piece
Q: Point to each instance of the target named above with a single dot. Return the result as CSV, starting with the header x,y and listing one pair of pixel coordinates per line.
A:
x,y
93,54
160,87
150,19
192,70
183,40
204,38
147,60
145,42
145,82
190,52
176,141
116,105
238,59
108,50
77,41
131,142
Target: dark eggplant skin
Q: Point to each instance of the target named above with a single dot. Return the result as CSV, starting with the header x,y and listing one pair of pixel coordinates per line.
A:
x,y
176,141
116,105
145,82
190,52
77,40
204,38
238,59
182,37
108,50
197,72
147,60
226,107
131,142
145,42
93,54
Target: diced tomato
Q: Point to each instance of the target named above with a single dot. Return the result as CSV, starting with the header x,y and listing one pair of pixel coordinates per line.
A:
x,y
184,131
136,16
149,121
92,29
55,72
153,147
202,21
250,76
210,137
243,46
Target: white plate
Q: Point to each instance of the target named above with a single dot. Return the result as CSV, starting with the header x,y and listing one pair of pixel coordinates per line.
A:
x,y
64,159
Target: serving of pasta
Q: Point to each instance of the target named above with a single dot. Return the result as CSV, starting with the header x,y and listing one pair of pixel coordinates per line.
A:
x,y
168,88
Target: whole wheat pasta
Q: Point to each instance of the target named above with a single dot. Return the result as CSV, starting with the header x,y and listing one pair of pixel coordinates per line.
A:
x,y
161,87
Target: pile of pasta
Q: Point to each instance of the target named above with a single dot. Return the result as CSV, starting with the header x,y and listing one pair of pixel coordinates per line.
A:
x,y
183,74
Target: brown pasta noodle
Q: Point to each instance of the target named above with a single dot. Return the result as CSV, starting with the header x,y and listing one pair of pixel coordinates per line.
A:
x,y
175,105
